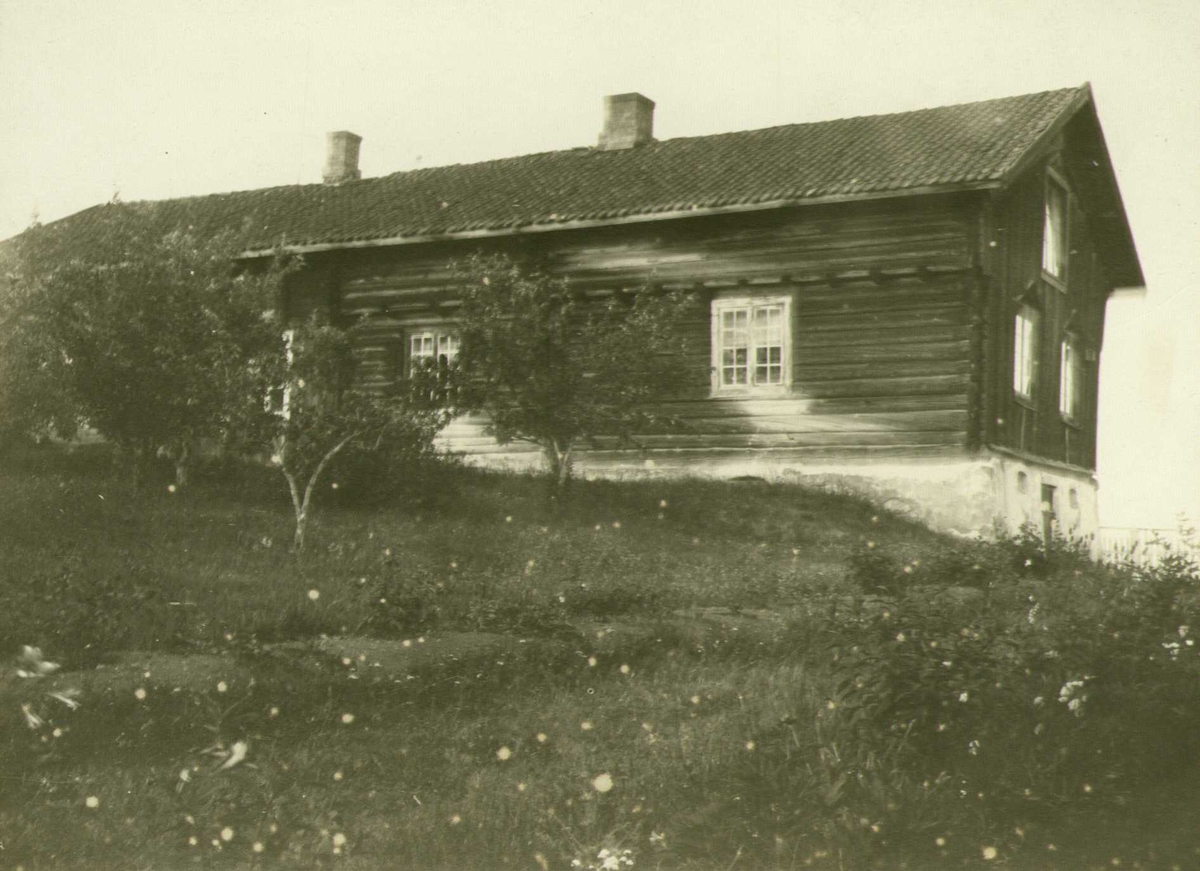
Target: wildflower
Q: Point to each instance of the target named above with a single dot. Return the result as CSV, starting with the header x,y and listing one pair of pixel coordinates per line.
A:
x,y
989,853
658,837
1038,701
92,802
258,847
901,637
30,663
541,737
586,725
192,840
455,820
624,669
592,661
941,842
337,775
695,700
140,694
964,696
222,686
602,782
973,748
750,745
831,705
227,834
339,840
32,720
407,642
521,786
274,712
185,775
1087,787
57,733
508,519
67,697
347,719
662,503
504,754
314,595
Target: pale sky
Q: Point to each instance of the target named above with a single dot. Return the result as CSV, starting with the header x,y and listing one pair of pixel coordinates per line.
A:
x,y
161,99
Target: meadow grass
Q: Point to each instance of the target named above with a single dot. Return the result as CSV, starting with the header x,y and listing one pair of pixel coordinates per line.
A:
x,y
658,667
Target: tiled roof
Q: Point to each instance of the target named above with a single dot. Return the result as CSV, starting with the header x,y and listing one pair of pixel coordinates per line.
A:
x,y
947,147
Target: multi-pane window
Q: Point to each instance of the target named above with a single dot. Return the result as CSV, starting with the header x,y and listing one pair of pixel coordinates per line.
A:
x,y
1025,352
750,342
437,345
1054,234
1069,381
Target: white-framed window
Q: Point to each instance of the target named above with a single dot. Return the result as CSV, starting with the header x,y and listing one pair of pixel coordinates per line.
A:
x,y
751,343
1054,232
1025,352
433,344
1070,384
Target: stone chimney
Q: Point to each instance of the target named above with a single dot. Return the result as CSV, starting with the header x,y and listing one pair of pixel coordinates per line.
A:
x,y
628,122
341,157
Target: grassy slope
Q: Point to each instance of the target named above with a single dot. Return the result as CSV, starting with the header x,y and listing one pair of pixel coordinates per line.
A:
x,y
568,635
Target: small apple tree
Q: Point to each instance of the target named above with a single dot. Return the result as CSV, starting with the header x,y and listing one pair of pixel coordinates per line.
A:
x,y
304,405
551,368
139,331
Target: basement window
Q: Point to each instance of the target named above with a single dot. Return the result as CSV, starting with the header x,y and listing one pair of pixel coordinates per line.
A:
x,y
1054,233
1025,352
751,343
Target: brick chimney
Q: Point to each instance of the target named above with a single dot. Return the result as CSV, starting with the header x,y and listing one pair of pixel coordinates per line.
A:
x,y
341,157
628,122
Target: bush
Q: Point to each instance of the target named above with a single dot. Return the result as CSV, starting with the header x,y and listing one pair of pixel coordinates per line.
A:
x,y
1030,702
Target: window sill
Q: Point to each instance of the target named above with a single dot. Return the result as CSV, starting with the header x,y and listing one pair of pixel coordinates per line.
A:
x,y
1023,400
778,390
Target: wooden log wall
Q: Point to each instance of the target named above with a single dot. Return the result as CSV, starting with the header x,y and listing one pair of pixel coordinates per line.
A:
x,y
1037,427
884,339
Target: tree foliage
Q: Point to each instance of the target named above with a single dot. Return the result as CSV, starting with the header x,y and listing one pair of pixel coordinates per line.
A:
x,y
303,403
552,368
139,333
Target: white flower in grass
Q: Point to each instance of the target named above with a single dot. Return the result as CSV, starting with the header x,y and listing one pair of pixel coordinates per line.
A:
x,y
222,687
504,754
314,595
592,661
140,694
989,853
30,663
347,719
193,841
586,725
455,820
624,669
32,720
339,840
227,834
602,782
964,696
541,737
258,847
92,801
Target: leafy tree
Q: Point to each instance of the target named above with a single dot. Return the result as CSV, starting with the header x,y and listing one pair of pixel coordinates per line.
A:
x,y
140,333
549,368
315,410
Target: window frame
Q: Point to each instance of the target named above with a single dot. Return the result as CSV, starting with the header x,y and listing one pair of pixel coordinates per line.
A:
x,y
1054,180
1026,365
1070,378
722,304
437,332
